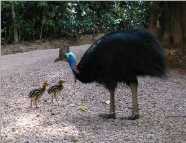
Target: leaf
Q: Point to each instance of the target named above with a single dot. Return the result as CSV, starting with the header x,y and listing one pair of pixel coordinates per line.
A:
x,y
83,108
107,102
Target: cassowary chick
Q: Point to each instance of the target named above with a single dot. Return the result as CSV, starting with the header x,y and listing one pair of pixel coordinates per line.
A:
x,y
55,90
36,94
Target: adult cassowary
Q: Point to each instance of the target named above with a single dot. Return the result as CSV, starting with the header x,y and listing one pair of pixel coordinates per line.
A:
x,y
120,57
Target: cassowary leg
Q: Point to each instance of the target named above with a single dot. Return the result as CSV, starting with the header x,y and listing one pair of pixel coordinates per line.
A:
x,y
112,113
135,106
112,104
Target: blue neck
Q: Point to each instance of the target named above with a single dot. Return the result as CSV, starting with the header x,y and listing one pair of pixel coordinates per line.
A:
x,y
72,62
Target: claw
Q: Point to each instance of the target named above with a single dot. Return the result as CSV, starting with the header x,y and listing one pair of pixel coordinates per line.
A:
x,y
133,117
108,116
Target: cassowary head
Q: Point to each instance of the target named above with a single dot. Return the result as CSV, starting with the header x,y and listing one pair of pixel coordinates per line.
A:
x,y
45,84
61,82
72,60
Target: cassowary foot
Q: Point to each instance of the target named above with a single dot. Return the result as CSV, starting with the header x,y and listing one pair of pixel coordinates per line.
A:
x,y
108,116
133,117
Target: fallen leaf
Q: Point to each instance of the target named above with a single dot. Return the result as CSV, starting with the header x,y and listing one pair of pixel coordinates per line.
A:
x,y
83,108
107,102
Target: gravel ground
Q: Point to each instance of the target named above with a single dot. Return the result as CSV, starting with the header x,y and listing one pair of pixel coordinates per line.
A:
x,y
162,105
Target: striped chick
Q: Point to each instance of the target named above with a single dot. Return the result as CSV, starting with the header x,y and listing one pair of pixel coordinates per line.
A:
x,y
55,90
36,94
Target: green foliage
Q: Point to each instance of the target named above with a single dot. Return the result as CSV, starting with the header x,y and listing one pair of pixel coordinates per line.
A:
x,y
53,19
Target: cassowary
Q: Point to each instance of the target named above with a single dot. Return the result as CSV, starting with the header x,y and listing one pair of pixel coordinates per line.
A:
x,y
120,57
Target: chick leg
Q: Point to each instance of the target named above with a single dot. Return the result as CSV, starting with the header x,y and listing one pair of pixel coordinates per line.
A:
x,y
31,101
55,96
52,98
36,103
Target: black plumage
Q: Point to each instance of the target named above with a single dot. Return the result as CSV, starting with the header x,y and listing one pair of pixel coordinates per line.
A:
x,y
121,57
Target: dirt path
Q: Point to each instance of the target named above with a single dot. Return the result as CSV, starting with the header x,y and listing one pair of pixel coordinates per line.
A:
x,y
162,105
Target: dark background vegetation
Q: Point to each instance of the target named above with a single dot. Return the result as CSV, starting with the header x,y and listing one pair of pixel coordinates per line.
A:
x,y
42,20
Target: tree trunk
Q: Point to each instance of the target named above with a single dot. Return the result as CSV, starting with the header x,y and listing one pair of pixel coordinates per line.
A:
x,y
16,38
62,51
42,26
42,23
168,23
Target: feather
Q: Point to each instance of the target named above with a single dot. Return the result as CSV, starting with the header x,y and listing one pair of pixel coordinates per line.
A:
x,y
122,56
